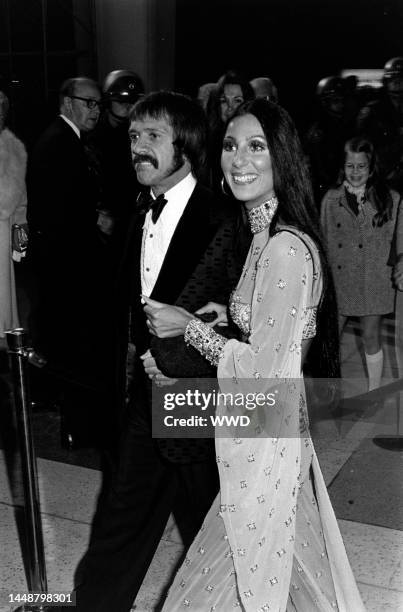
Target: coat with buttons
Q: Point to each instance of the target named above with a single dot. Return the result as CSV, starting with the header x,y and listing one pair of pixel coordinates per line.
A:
x,y
358,253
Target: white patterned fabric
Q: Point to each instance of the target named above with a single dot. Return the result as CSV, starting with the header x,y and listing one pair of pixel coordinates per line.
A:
x,y
271,541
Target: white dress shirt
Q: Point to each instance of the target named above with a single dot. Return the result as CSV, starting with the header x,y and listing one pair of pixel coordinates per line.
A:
x,y
157,237
71,124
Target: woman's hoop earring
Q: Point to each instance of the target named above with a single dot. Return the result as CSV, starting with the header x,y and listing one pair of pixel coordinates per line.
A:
x,y
223,183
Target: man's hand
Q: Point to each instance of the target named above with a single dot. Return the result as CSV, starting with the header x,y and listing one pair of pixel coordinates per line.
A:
x,y
154,373
165,321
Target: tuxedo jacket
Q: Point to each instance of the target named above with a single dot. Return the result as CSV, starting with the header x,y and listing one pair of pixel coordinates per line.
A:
x,y
203,263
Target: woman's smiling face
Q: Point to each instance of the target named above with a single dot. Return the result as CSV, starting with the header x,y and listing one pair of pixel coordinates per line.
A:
x,y
246,161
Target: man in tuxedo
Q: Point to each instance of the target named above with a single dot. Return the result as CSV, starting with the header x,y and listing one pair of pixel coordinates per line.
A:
x,y
67,257
180,251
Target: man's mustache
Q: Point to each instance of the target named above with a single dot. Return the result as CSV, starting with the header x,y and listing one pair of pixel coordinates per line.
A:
x,y
137,159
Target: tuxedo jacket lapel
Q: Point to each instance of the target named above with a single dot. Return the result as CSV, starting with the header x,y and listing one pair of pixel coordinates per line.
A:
x,y
193,234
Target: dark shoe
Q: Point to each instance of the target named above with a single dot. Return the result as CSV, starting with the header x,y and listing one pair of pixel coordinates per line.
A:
x,y
37,359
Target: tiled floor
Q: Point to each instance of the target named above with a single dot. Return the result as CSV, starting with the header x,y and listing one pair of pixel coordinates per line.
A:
x,y
68,496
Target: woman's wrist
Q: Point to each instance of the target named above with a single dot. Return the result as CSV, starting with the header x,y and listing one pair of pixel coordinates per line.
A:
x,y
187,317
205,340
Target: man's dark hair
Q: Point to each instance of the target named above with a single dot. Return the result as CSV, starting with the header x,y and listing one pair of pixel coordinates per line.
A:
x,y
186,118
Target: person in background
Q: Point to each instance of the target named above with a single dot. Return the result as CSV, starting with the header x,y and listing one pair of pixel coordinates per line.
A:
x,y
13,203
110,143
381,121
270,541
265,88
203,94
358,218
66,255
232,89
333,123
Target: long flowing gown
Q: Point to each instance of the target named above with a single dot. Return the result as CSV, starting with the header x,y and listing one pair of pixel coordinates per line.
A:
x,y
270,542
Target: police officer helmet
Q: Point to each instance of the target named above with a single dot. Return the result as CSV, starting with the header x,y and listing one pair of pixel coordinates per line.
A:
x,y
330,86
393,69
122,86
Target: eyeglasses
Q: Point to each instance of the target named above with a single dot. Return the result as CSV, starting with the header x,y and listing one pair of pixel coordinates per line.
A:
x,y
90,102
356,166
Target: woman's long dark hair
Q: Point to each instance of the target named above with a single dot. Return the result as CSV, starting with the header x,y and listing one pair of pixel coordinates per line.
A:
x,y
376,186
292,186
213,110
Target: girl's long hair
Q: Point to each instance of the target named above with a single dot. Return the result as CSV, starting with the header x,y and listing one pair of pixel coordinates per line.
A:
x,y
292,186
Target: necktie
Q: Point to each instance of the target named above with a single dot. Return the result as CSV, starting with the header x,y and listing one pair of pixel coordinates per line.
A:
x,y
146,202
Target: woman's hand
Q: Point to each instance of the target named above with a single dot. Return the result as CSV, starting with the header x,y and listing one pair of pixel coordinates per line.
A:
x,y
219,309
165,321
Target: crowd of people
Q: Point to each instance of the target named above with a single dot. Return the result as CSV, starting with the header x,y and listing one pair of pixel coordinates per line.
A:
x,y
206,238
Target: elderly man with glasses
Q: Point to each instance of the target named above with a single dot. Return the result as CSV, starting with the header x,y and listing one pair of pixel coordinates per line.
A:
x,y
67,254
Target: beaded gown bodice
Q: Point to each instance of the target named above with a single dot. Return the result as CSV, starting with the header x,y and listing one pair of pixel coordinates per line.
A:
x,y
241,314
241,299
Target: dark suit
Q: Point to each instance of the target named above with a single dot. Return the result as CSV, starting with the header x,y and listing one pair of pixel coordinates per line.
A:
x,y
154,477
62,219
69,262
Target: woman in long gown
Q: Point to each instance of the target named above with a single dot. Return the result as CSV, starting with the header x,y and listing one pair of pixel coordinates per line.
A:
x,y
270,542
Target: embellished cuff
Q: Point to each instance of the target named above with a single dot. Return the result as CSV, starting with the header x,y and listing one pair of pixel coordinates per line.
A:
x,y
309,330
205,340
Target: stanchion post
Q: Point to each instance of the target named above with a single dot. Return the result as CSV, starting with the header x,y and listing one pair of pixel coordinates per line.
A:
x,y
36,567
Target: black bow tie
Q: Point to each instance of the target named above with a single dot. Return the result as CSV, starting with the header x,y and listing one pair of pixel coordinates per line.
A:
x,y
146,202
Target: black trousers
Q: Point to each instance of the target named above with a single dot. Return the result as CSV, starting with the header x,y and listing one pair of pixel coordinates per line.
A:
x,y
128,527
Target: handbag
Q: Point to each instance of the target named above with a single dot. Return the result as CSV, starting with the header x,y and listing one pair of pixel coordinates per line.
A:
x,y
19,241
